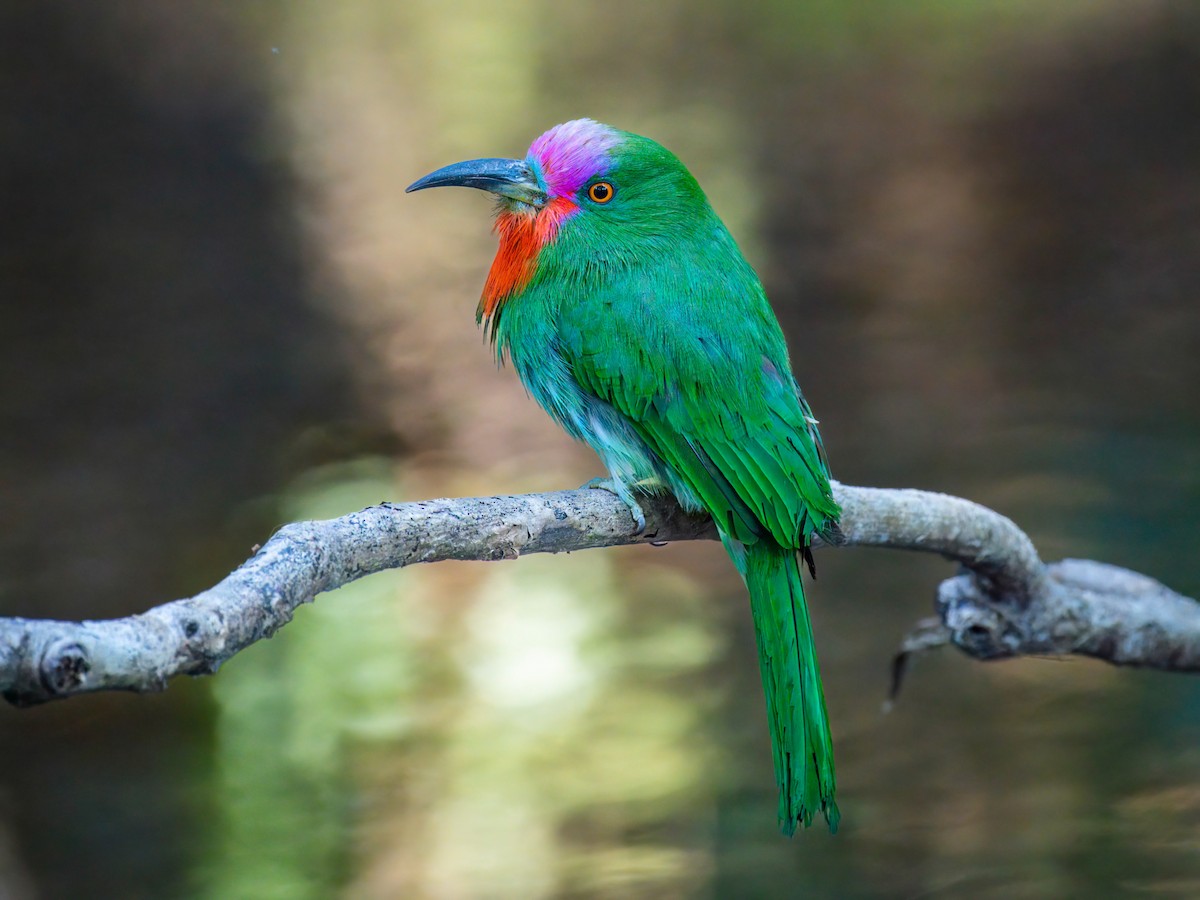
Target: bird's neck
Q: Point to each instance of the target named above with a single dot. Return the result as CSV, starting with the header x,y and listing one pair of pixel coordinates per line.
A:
x,y
522,236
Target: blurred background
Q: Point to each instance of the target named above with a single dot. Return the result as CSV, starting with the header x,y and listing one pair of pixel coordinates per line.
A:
x,y
979,223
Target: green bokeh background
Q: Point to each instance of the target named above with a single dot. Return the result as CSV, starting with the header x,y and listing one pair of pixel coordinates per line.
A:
x,y
979,223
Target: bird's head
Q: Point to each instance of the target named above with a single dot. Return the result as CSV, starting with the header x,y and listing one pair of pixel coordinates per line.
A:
x,y
579,166
615,194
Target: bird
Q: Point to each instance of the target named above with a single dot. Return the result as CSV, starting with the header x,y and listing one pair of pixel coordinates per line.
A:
x,y
632,318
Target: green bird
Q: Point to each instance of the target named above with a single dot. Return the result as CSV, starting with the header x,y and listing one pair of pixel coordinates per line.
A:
x,y
631,316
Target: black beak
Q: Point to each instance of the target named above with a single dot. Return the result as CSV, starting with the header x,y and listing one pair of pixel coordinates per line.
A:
x,y
510,178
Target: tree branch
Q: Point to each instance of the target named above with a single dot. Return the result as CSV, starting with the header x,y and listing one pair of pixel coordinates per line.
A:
x,y
1005,603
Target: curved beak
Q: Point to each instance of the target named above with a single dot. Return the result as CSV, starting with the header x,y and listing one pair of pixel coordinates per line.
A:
x,y
510,178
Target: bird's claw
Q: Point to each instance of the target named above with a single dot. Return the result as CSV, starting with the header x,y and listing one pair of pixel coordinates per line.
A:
x,y
623,493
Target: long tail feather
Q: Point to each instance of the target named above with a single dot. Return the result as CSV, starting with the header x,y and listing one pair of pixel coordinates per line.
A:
x,y
800,737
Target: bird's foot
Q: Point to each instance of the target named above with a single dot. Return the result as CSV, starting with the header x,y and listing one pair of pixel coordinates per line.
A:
x,y
624,494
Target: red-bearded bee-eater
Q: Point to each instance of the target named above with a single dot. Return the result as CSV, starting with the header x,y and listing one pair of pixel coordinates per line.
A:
x,y
631,316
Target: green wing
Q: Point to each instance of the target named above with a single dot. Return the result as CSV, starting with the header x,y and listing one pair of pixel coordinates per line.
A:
x,y
703,376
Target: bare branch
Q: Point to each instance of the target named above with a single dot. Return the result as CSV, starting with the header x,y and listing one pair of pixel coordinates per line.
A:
x,y
1006,603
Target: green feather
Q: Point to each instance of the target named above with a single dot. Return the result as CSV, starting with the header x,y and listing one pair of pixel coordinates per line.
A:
x,y
795,702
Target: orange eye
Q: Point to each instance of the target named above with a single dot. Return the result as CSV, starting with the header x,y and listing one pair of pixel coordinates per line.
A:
x,y
601,192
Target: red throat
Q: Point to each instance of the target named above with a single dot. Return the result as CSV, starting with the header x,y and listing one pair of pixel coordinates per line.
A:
x,y
522,237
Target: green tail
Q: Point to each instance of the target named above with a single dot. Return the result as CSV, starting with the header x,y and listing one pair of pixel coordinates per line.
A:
x,y
791,678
